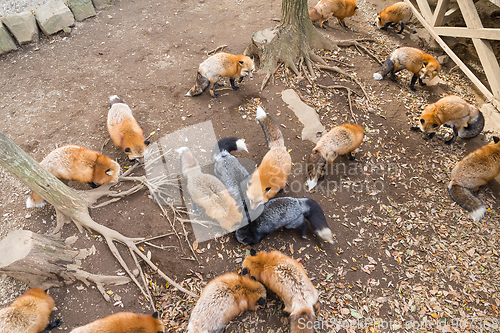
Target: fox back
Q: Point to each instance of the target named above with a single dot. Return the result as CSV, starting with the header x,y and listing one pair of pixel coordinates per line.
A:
x,y
29,313
125,131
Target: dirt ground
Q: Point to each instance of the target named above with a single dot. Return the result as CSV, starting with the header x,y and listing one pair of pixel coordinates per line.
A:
x,y
404,250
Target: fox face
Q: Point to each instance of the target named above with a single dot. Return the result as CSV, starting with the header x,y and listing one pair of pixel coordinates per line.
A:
x,y
380,24
316,168
429,71
247,67
428,121
136,152
105,171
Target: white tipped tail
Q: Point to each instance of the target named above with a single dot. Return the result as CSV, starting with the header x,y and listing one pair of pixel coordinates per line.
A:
x,y
478,213
261,113
377,76
31,204
189,94
311,183
114,99
240,143
326,234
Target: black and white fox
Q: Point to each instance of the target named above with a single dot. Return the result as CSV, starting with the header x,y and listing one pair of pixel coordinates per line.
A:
x,y
289,213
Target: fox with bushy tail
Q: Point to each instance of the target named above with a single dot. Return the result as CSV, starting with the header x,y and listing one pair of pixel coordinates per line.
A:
x,y
272,173
452,111
289,213
421,64
124,322
400,12
288,279
473,171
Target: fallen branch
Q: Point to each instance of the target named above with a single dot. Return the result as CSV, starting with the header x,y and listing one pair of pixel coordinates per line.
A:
x,y
348,96
340,71
217,49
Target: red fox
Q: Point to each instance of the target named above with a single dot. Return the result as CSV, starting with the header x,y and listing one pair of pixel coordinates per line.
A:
x,y
77,163
222,64
272,173
400,12
288,279
466,120
340,9
222,299
29,313
421,64
122,322
209,192
125,131
475,170
339,140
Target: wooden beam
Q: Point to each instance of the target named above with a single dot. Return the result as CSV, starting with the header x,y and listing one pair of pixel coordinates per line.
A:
x,y
426,10
483,47
487,94
439,12
482,33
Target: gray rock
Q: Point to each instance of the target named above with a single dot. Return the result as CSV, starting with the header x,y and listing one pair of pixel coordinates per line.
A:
x,y
53,17
81,9
22,26
7,43
450,41
100,4
443,59
427,40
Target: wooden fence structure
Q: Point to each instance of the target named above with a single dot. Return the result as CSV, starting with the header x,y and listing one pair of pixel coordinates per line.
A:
x,y
443,13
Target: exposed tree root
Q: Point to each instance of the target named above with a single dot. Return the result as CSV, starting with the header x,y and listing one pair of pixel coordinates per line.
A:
x,y
217,49
340,71
349,90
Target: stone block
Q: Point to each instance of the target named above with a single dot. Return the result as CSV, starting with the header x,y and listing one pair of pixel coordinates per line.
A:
x,y
81,9
100,4
54,16
22,26
7,43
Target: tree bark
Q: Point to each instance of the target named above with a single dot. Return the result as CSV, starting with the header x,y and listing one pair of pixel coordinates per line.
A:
x,y
291,41
46,261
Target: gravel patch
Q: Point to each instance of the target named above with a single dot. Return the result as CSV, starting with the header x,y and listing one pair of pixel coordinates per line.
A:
x,y
8,7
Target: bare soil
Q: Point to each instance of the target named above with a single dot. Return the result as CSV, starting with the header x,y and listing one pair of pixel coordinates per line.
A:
x,y
147,52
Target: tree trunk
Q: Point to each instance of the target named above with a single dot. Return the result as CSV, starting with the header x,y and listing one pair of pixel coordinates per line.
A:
x,y
45,261
291,41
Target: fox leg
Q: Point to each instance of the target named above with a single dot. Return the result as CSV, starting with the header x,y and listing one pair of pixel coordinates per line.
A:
x,y
303,231
386,26
231,80
421,82
455,134
241,79
402,27
212,89
56,323
413,80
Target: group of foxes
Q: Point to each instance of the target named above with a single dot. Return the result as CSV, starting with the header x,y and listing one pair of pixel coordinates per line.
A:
x,y
245,202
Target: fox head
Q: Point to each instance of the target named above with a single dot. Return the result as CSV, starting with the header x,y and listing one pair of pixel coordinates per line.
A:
x,y
316,167
429,123
247,66
135,149
40,294
253,265
430,70
253,291
105,170
255,193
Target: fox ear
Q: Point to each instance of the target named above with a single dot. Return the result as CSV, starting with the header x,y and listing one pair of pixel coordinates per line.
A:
x,y
244,271
425,63
127,150
241,62
251,56
253,252
496,139
155,315
261,301
109,172
422,121
147,143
